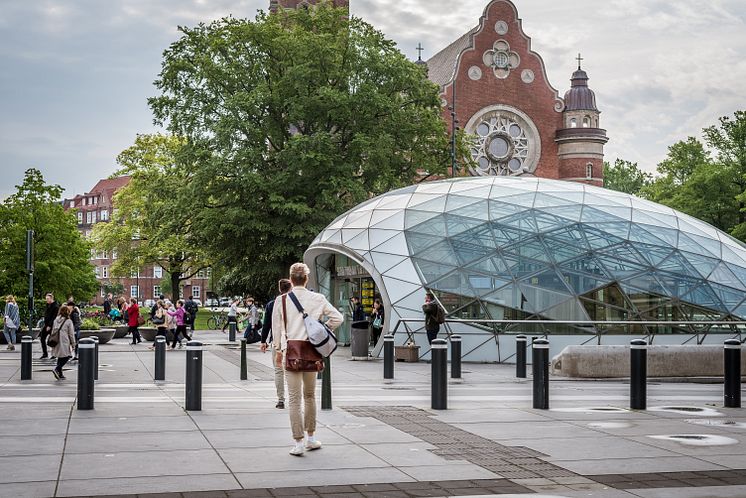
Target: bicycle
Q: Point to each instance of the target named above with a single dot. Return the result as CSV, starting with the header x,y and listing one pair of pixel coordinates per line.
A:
x,y
217,320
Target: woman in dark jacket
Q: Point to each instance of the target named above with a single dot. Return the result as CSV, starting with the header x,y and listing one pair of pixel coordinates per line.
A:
x,y
133,320
376,321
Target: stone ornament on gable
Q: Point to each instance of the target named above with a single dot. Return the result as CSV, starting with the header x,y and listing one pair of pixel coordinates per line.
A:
x,y
501,27
501,59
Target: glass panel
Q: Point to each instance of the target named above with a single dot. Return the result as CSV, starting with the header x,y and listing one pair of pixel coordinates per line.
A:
x,y
404,271
395,245
358,220
359,243
458,201
729,297
739,272
442,252
521,267
539,299
597,239
349,234
653,254
571,212
377,236
414,217
581,283
546,222
432,271
642,284
468,253
688,243
620,269
569,310
505,235
624,252
433,199
454,283
722,275
509,296
605,213
434,226
561,251
499,210
653,235
676,263
618,229
588,265
548,280
523,221
611,296
677,284
480,236
705,297
458,224
532,248
478,210
418,242
393,220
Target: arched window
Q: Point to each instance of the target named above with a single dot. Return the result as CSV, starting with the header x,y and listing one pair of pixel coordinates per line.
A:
x,y
586,122
573,123
589,171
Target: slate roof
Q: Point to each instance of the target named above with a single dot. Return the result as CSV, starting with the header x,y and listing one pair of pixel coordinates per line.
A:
x,y
440,67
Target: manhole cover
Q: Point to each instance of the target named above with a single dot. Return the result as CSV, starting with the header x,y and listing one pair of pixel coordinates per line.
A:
x,y
687,410
717,423
698,439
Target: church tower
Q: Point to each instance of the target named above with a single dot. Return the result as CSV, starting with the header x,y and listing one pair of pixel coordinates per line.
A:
x,y
274,5
581,140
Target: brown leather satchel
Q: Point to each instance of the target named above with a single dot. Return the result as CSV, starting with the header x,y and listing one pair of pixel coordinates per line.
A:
x,y
300,356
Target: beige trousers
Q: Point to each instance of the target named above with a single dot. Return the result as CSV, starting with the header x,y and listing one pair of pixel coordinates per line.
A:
x,y
301,387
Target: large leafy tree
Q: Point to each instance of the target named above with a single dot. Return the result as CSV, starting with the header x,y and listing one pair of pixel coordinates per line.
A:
x,y
62,256
625,176
291,119
152,221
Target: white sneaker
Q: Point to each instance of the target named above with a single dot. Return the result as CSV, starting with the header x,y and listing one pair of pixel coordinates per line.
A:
x,y
297,449
180,345
313,445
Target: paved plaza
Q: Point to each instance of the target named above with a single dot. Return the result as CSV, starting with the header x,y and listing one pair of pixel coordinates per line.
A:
x,y
379,439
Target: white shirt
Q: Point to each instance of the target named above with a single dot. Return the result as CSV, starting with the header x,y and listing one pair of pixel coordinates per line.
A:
x,y
314,304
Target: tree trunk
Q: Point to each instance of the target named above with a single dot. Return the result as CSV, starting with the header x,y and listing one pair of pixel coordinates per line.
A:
x,y
175,281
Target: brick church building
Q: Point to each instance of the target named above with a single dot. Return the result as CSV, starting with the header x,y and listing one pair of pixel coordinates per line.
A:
x,y
496,88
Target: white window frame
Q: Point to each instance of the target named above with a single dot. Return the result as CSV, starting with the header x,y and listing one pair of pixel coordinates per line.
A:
x,y
156,291
134,291
157,272
98,271
80,217
589,171
196,291
105,272
104,215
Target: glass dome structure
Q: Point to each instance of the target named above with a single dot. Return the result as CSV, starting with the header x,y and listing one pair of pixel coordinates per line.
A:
x,y
532,248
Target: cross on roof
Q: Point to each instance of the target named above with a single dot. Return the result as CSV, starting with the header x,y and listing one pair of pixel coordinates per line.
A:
x,y
419,51
579,59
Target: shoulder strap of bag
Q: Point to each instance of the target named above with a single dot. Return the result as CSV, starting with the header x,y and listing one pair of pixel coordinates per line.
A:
x,y
285,315
297,304
60,327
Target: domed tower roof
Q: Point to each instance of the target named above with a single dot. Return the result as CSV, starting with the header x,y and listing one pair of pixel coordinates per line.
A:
x,y
579,96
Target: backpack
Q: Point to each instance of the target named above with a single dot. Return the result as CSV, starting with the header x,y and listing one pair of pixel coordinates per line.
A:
x,y
440,315
319,335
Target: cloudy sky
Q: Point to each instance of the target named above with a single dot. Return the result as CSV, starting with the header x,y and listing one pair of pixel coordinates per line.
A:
x,y
75,74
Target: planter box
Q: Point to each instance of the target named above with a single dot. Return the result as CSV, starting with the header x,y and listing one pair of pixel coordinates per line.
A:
x,y
120,331
34,335
104,335
406,353
149,333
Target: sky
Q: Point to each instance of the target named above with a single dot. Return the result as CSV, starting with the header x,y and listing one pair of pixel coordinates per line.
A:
x,y
75,75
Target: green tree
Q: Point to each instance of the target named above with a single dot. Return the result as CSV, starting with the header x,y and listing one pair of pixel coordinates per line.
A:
x,y
729,141
292,119
62,256
625,176
151,224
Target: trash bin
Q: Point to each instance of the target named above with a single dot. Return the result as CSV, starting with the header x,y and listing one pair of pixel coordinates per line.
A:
x,y
360,339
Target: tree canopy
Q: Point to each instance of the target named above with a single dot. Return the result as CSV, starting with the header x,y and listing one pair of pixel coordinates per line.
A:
x,y
290,120
625,176
152,222
62,256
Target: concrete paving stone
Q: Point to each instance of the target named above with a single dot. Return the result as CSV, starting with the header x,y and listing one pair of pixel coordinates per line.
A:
x,y
150,484
374,434
727,461
636,465
248,493
204,494
23,445
687,449
33,427
282,478
127,425
387,494
33,489
499,431
407,454
336,488
454,470
135,442
371,488
602,447
707,492
292,491
140,464
264,438
278,458
15,469
213,421
428,492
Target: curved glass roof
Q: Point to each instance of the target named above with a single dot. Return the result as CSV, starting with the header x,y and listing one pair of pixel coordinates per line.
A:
x,y
523,247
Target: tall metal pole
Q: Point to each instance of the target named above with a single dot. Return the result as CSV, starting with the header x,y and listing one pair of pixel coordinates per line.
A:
x,y
454,121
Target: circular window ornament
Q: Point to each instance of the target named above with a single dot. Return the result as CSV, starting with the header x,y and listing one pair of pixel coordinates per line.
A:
x,y
504,141
527,76
475,73
501,27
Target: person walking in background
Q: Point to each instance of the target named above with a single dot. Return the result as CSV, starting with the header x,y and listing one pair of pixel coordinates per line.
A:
x,y
358,313
284,287
63,335
12,322
376,321
77,323
107,304
434,316
191,308
133,320
170,319
181,328
232,314
288,326
51,311
159,320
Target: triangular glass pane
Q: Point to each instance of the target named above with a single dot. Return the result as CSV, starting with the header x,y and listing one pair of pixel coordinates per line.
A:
x,y
479,191
561,251
739,272
646,283
729,297
413,301
547,222
740,311
414,217
369,205
435,204
677,284
581,283
431,271
598,198
532,248
572,212
494,266
478,210
539,299
548,280
395,245
440,187
569,310
384,261
453,283
620,269
655,218
653,254
733,255
394,201
617,229
638,233
668,236
568,235
522,267
388,219
350,233
359,243
692,225
442,251
688,243
404,271
458,201
702,264
704,296
588,265
599,214
332,237
358,220
598,239
505,235
523,221
398,289
457,224
378,236
677,263
722,275
434,226
525,200
509,297
338,223
625,252
479,236
468,253
498,210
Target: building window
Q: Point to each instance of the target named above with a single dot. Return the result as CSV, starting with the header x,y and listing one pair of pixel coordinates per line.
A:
x,y
196,291
80,217
589,171
88,217
98,272
156,291
104,215
105,254
157,272
134,273
586,122
209,272
573,123
93,254
114,254
134,291
105,271
201,274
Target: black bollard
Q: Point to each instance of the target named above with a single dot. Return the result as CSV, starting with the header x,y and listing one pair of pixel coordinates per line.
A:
x,y
638,374
732,367
439,382
86,357
326,385
160,358
244,366
194,376
540,368
95,357
232,332
388,357
520,356
27,344
455,356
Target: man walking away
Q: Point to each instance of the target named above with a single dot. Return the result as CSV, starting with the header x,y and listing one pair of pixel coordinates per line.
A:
x,y
284,287
51,311
191,307
434,316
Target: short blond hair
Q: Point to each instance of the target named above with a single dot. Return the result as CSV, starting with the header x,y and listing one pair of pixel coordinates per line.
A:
x,y
299,273
10,298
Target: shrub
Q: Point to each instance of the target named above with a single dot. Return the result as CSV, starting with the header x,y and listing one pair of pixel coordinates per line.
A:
x,y
89,324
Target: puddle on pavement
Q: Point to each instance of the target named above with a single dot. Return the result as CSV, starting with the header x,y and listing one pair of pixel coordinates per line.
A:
x,y
609,425
698,439
591,409
717,423
687,410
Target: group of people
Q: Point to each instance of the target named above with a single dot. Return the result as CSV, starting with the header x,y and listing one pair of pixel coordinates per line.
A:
x,y
165,316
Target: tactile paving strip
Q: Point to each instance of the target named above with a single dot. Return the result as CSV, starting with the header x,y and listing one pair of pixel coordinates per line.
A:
x,y
452,443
